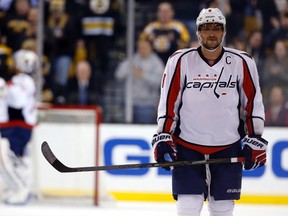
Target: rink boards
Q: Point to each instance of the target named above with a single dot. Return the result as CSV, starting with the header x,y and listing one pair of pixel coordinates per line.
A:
x,y
124,144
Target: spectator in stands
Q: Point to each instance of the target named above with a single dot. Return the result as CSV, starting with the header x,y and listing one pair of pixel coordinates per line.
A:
x,y
255,48
81,87
281,33
100,26
146,70
60,39
249,16
16,24
166,34
31,31
276,108
275,70
270,20
5,59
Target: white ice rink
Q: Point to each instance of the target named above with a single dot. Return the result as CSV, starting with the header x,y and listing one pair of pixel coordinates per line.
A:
x,y
129,209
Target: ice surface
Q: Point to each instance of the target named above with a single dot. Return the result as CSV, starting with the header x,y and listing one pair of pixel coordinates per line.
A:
x,y
128,209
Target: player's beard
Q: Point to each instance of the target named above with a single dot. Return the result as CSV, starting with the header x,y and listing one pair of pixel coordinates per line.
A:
x,y
211,45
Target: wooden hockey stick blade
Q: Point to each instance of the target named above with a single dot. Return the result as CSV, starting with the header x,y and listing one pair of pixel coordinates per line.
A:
x,y
58,165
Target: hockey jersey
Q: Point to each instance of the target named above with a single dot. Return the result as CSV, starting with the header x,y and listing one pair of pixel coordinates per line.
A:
x,y
201,103
21,100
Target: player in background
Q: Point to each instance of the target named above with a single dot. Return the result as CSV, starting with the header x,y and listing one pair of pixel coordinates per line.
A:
x,y
203,92
15,164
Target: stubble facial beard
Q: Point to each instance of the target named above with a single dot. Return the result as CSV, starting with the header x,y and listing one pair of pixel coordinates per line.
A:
x,y
208,46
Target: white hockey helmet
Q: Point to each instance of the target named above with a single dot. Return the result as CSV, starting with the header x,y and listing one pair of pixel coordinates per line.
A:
x,y
210,15
26,61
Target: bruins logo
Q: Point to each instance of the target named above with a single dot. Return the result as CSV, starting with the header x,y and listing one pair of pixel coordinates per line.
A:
x,y
99,6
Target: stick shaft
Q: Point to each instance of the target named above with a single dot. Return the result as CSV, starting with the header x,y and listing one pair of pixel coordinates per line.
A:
x,y
58,165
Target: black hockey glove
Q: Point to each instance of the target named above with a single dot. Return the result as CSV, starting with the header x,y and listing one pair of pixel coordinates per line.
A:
x,y
254,151
163,145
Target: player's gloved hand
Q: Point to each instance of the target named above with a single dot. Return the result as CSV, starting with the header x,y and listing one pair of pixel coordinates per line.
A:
x,y
163,145
254,151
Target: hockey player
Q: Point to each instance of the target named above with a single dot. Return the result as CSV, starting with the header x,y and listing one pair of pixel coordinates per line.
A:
x,y
15,167
203,92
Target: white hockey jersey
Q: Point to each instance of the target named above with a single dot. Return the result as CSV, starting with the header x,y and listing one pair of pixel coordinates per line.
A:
x,y
200,103
22,98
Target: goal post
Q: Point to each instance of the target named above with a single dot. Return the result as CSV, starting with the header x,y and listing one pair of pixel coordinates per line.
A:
x,y
73,131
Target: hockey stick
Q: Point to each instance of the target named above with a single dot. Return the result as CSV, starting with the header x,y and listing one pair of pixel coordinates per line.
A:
x,y
58,165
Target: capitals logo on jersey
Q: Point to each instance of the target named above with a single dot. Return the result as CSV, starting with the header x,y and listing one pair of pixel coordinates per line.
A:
x,y
212,81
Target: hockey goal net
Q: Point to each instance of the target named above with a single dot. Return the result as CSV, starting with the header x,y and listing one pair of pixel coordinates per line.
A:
x,y
73,134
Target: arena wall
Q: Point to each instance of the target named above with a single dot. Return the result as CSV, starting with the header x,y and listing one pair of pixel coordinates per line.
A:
x,y
120,144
